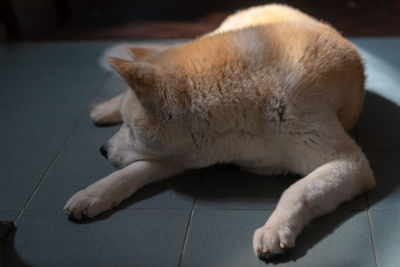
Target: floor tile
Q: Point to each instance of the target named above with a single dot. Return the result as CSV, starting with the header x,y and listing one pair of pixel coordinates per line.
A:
x,y
227,187
21,172
52,56
45,88
383,48
60,56
385,229
382,68
224,238
128,238
80,166
386,195
379,124
113,86
89,134
9,214
36,128
52,89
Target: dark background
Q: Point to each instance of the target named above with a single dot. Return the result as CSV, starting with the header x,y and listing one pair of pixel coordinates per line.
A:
x,y
156,19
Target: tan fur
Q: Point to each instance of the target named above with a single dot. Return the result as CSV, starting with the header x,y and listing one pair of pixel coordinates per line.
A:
x,y
145,53
267,14
272,90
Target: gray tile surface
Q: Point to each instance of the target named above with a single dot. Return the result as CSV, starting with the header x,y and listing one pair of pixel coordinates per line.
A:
x,y
224,238
113,86
70,88
386,49
386,195
52,57
46,88
381,66
227,187
9,214
78,167
379,124
385,228
45,237
21,173
88,134
36,128
61,56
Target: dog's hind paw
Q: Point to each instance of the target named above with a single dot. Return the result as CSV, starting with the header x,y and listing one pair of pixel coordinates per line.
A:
x,y
103,114
87,203
107,112
270,241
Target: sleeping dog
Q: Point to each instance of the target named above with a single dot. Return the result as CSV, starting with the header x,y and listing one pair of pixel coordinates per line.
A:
x,y
272,90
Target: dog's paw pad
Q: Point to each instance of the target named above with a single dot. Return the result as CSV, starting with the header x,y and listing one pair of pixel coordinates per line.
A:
x,y
271,241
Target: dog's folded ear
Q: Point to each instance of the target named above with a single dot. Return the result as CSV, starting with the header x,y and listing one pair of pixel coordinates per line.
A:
x,y
142,77
145,53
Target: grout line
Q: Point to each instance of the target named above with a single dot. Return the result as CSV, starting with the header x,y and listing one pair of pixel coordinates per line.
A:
x,y
186,237
190,220
388,211
370,231
53,161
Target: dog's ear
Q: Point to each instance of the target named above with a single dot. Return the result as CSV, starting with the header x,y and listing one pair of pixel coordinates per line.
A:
x,y
145,53
142,77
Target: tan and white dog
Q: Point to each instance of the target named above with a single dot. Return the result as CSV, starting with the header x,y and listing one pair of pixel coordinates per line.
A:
x,y
271,90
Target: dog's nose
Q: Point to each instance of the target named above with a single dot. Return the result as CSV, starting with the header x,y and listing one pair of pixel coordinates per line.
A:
x,y
103,151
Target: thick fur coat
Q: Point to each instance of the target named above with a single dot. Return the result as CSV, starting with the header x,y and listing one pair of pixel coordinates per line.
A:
x,y
271,90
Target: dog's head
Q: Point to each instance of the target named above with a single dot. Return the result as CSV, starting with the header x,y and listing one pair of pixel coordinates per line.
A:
x,y
151,109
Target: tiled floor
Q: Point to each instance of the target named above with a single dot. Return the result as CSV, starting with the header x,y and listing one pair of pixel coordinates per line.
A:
x,y
200,218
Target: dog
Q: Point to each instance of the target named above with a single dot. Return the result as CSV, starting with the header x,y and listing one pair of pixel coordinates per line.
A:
x,y
272,90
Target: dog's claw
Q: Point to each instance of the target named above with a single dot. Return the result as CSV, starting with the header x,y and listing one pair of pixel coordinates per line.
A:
x,y
272,240
87,203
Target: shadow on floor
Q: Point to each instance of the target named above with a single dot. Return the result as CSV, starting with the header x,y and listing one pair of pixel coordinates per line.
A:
x,y
382,109
387,114
312,234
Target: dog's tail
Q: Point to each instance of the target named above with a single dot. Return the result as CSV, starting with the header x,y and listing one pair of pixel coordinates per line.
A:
x,y
118,50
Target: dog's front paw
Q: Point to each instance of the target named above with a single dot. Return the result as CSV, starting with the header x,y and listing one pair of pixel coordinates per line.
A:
x,y
269,241
87,203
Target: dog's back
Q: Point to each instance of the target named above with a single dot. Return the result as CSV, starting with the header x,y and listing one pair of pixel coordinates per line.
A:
x,y
267,14
281,69
339,64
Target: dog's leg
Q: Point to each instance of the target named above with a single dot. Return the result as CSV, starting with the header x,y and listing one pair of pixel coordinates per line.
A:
x,y
119,185
107,112
341,172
